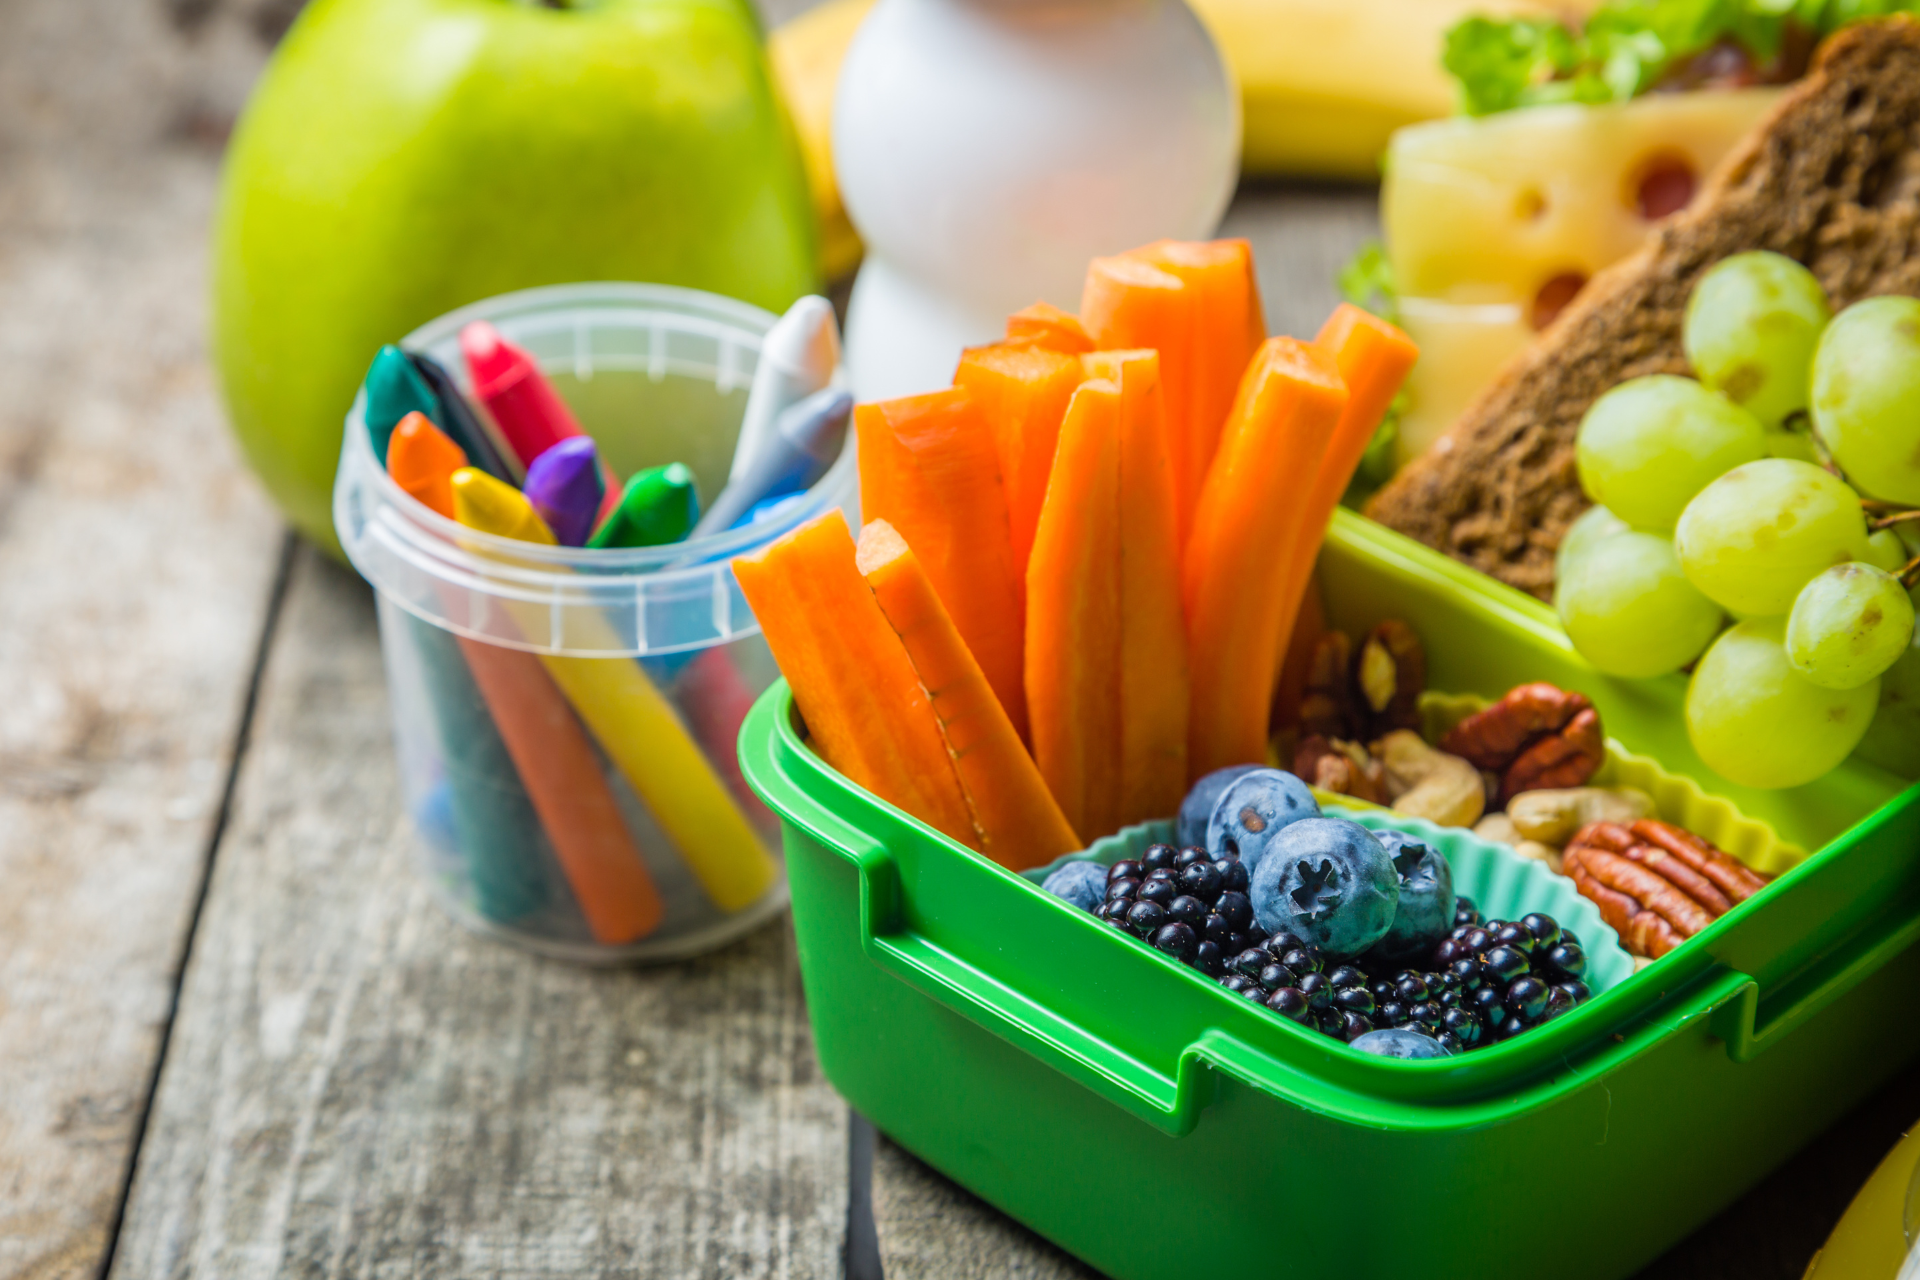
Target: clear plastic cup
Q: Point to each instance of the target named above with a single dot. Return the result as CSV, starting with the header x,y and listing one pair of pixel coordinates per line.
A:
x,y
565,719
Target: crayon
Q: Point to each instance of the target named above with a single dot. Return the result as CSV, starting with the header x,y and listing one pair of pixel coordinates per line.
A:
x,y
797,358
635,725
658,506
465,427
547,747
394,390
523,404
804,443
565,487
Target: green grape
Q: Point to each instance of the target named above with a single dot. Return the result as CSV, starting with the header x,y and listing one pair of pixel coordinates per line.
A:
x,y
1650,444
1866,396
1792,444
1758,722
1848,625
1753,538
1884,550
1752,324
1630,611
1590,527
1893,740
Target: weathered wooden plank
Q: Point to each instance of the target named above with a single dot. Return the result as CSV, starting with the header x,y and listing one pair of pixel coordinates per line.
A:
x,y
135,564
932,1229
357,1086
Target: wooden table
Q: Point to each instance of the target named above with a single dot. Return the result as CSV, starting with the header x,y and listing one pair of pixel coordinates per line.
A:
x,y
236,1039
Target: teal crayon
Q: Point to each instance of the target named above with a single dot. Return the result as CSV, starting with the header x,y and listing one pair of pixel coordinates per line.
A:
x,y
495,828
398,384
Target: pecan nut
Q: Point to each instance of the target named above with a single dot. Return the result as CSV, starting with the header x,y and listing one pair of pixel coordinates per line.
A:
x,y
1328,708
1538,736
1391,673
1342,767
1656,884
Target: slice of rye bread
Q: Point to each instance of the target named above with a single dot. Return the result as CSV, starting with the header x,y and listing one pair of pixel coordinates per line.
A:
x,y
1831,178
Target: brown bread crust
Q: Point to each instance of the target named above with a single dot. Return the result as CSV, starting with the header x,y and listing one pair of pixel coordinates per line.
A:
x,y
1830,178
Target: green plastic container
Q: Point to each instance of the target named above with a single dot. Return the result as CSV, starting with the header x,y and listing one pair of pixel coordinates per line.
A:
x,y
1087,1085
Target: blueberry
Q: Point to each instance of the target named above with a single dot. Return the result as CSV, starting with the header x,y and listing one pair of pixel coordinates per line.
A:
x,y
1119,889
1504,964
1235,909
1158,856
1328,881
1254,808
1191,826
1083,884
1545,929
1290,1002
1160,892
1176,940
1233,875
1144,917
1250,961
1126,869
1188,911
1568,958
1398,1042
1425,910
1210,959
1201,880
1527,998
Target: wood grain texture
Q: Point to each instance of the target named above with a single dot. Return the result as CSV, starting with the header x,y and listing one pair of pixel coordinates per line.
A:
x,y
932,1229
356,1086
135,561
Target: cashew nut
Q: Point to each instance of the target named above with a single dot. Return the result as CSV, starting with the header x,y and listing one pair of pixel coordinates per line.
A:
x,y
1538,852
1430,784
1498,828
1552,816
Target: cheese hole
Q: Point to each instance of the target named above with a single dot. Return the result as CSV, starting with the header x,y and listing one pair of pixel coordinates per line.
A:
x,y
1664,185
1531,205
1552,298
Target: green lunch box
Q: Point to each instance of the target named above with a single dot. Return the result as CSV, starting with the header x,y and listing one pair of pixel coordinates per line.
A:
x,y
1155,1124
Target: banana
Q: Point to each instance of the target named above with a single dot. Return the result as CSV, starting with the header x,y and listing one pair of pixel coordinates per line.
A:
x,y
1323,83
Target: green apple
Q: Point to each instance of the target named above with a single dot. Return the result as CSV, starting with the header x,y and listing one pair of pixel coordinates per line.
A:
x,y
403,157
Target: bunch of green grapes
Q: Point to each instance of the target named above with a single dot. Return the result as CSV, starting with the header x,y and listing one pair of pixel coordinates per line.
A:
x,y
1710,503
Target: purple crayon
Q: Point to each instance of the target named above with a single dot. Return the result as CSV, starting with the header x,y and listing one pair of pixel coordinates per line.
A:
x,y
565,487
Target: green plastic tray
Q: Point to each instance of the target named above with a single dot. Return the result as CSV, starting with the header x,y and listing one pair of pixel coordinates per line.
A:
x,y
1086,1086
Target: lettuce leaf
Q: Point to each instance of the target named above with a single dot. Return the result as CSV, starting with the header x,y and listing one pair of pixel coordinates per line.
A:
x,y
1627,47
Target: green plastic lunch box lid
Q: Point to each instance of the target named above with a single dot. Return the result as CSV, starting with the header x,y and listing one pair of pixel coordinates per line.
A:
x,y
1090,1086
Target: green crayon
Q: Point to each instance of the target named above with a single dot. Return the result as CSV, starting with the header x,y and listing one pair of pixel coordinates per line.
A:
x,y
394,390
658,506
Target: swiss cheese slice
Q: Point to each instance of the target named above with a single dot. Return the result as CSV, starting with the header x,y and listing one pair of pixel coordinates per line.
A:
x,y
1493,223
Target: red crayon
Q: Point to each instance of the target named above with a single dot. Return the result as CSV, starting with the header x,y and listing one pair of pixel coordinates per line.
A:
x,y
523,404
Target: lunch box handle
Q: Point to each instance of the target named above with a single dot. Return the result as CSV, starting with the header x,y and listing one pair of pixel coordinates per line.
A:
x,y
1750,1023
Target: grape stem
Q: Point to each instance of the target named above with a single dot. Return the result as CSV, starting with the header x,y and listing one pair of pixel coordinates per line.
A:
x,y
1900,517
1910,576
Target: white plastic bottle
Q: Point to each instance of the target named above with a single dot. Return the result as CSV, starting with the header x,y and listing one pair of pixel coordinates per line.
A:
x,y
986,149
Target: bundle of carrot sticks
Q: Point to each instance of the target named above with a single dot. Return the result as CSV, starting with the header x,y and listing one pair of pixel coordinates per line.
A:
x,y
1084,559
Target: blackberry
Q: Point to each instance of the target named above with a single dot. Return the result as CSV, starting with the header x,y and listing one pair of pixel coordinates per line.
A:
x,y
1145,917
1239,984
1159,892
1464,911
1316,988
1353,1025
1210,958
1188,910
1233,907
1175,939
1158,856
1290,1002
1215,929
1188,856
1249,962
1126,869
1202,880
1517,936
1565,958
1275,976
1504,964
1233,877
1527,998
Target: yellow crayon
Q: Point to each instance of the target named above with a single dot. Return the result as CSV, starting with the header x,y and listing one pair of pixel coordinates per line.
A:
x,y
637,727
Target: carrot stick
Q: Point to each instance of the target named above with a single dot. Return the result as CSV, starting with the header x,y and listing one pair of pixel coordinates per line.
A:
x,y
928,467
1197,304
1073,617
864,705
1045,325
1020,824
1246,536
1155,693
1374,358
1023,392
